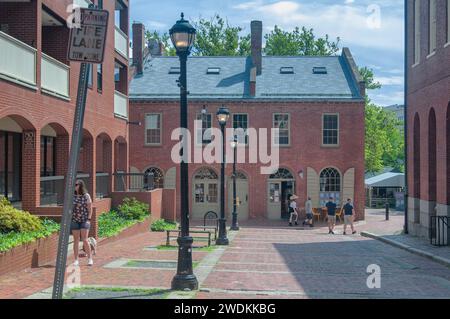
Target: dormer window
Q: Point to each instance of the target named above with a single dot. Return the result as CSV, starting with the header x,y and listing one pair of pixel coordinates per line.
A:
x,y
213,71
174,70
320,70
287,70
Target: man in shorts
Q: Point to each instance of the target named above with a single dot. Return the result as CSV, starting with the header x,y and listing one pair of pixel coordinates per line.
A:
x,y
331,207
309,213
349,213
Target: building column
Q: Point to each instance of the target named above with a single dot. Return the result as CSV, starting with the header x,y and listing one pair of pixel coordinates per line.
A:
x,y
31,175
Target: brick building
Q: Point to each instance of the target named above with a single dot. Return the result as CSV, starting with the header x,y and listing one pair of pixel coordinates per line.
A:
x,y
428,112
316,102
38,88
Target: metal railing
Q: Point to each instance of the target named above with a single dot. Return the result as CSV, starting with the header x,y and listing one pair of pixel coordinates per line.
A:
x,y
121,42
120,105
55,77
102,185
439,231
18,61
133,182
52,191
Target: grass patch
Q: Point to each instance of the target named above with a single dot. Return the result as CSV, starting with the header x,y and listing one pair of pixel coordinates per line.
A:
x,y
14,239
162,225
116,293
112,223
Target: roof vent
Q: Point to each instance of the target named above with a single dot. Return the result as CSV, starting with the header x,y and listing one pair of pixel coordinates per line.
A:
x,y
213,71
320,70
174,70
287,70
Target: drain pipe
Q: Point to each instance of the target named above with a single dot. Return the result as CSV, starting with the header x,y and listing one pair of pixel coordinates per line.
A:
x,y
405,124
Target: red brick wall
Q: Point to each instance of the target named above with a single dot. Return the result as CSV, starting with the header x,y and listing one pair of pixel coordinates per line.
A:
x,y
305,150
21,20
428,87
54,42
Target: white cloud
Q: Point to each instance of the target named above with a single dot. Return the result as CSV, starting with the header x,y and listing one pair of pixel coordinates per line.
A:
x,y
385,99
393,80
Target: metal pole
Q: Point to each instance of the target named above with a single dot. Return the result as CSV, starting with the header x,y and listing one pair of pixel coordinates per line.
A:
x,y
405,120
185,278
235,225
77,135
222,240
387,211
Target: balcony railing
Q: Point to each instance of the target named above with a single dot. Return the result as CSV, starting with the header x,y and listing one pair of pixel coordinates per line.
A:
x,y
120,105
133,182
17,61
52,191
55,77
102,183
121,42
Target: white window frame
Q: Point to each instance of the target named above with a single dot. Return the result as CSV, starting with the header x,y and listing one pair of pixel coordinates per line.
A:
x,y
338,129
417,32
198,117
246,131
276,141
432,27
448,24
160,129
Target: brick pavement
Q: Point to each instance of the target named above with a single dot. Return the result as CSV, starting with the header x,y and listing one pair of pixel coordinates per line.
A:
x,y
267,261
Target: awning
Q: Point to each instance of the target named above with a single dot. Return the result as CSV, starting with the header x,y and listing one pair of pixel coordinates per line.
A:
x,y
387,180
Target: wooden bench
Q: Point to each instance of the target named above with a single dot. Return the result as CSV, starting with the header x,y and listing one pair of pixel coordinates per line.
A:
x,y
214,228
199,232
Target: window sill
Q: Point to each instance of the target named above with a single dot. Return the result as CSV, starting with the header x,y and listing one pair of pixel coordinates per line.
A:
x,y
152,145
415,65
431,55
330,146
447,45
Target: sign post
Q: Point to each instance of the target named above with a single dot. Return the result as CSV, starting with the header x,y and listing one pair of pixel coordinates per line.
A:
x,y
87,45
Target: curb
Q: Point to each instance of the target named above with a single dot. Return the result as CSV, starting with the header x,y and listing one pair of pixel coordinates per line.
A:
x,y
419,252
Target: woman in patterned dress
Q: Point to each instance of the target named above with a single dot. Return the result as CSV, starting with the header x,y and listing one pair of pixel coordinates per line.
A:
x,y
81,221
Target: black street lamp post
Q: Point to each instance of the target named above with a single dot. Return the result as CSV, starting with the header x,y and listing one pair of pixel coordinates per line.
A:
x,y
182,35
222,117
234,224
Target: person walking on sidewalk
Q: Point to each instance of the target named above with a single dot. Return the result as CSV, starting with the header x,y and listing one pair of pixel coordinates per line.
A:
x,y
349,214
293,210
331,207
309,213
81,221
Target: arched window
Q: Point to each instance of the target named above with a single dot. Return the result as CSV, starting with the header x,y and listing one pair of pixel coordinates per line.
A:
x,y
282,173
416,157
432,165
330,186
158,178
448,154
241,175
206,173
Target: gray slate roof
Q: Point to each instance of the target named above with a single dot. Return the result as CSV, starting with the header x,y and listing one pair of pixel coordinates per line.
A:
x,y
233,81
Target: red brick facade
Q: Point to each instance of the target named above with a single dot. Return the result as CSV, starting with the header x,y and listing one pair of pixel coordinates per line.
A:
x,y
33,110
428,108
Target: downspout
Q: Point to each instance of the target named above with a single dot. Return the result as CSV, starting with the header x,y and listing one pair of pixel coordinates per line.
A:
x,y
405,124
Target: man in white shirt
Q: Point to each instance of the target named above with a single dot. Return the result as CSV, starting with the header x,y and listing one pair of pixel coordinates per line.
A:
x,y
293,210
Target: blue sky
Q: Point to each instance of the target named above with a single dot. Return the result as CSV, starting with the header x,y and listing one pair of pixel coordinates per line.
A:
x,y
373,30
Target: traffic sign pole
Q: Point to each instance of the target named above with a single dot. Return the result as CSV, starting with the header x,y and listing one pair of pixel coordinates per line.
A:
x,y
77,136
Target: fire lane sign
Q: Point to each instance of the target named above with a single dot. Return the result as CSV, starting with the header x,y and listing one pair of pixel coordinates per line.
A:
x,y
87,43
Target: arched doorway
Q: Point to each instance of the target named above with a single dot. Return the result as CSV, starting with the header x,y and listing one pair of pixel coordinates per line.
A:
x,y
281,186
416,167
241,195
120,164
54,159
153,178
205,192
330,186
104,165
432,169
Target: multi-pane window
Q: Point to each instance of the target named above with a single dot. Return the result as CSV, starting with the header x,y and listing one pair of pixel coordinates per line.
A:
x,y
153,129
281,122
330,186
417,31
330,129
204,133
432,26
200,193
212,193
240,124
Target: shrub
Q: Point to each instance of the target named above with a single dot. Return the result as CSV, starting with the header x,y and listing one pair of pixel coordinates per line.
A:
x,y
15,220
14,239
112,223
162,225
133,209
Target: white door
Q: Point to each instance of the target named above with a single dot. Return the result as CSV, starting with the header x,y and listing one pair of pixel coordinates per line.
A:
x,y
274,200
241,197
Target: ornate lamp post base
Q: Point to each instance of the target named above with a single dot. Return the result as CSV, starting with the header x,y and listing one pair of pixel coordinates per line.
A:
x,y
185,278
222,239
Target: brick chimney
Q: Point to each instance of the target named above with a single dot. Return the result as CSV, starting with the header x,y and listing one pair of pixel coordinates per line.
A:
x,y
138,46
256,30
253,81
155,47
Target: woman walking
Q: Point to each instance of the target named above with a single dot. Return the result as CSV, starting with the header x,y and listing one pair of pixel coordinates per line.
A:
x,y
81,221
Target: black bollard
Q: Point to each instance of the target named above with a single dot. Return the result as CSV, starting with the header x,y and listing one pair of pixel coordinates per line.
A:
x,y
387,211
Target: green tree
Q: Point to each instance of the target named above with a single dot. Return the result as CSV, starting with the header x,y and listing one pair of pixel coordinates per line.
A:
x,y
299,42
215,37
368,76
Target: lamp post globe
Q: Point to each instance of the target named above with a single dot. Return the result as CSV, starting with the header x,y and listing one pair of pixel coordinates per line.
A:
x,y
182,35
222,117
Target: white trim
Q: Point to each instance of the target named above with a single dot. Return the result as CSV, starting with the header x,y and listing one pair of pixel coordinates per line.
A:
x,y
248,125
160,129
447,45
338,131
432,54
289,129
